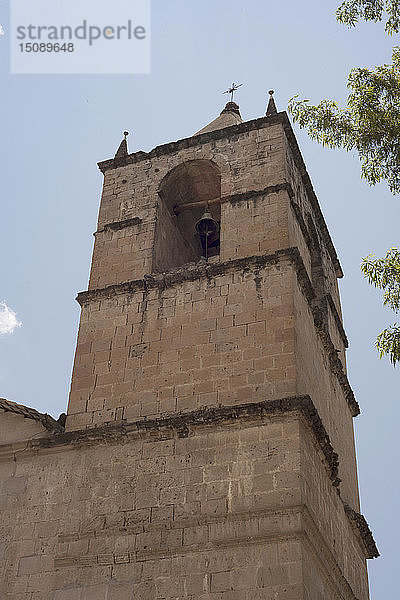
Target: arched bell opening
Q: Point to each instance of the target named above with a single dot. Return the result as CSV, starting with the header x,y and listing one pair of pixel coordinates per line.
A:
x,y
184,232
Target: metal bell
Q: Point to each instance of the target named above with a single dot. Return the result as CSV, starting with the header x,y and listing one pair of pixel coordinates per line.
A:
x,y
208,230
206,225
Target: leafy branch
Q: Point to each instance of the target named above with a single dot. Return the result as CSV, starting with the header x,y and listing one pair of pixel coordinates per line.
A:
x,y
351,11
370,124
384,273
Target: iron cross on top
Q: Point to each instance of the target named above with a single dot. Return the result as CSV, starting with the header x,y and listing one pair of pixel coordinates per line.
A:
x,y
232,90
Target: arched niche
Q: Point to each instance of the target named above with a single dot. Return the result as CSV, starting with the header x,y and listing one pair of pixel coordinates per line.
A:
x,y
184,193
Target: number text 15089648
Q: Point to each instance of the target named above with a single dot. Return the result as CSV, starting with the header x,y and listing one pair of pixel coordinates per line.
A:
x,y
29,47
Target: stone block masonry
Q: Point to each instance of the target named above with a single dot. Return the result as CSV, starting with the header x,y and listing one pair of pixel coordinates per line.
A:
x,y
190,507
208,450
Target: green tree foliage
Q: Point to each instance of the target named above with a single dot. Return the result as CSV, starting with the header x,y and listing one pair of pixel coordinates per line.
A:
x,y
384,273
370,125
351,11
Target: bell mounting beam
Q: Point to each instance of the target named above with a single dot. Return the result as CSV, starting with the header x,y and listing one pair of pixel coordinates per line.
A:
x,y
180,208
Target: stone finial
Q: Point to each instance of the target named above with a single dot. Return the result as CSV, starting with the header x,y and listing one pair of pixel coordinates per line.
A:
x,y
123,147
271,110
231,107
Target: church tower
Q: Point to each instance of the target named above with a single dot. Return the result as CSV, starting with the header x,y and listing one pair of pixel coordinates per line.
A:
x,y
208,451
234,366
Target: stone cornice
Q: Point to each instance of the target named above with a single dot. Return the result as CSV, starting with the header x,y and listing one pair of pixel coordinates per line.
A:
x,y
189,272
184,424
190,521
117,225
191,142
361,527
251,194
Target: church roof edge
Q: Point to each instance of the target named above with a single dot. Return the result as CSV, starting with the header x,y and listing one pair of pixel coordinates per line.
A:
x,y
194,140
30,413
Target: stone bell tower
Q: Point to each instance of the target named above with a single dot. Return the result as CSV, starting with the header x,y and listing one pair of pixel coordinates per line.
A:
x,y
212,395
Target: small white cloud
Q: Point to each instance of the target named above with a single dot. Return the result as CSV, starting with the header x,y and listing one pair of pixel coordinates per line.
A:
x,y
8,319
1,29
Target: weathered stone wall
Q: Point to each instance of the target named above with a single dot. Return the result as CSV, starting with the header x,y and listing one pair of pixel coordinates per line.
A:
x,y
210,339
170,247
314,373
308,221
338,545
219,513
155,516
131,243
15,429
255,226
191,468
131,193
299,240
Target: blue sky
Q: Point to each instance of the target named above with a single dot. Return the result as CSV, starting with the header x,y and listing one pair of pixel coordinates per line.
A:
x,y
55,128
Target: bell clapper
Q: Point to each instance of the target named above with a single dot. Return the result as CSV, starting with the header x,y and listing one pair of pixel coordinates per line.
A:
x,y
205,227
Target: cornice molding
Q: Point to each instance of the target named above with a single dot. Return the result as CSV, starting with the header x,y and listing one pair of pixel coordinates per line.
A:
x,y
361,527
184,424
188,272
193,141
